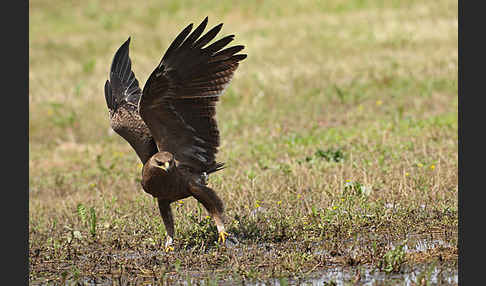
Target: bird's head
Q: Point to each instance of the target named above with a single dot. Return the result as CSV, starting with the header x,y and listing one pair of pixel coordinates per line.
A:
x,y
163,160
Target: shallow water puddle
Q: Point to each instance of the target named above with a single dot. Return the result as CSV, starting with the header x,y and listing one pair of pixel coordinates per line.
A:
x,y
433,275
439,273
411,244
444,274
430,274
418,243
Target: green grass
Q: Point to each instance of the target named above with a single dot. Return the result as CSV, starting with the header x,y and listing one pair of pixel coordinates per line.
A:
x,y
341,110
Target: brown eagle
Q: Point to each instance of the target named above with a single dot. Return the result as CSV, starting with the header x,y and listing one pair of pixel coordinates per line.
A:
x,y
171,122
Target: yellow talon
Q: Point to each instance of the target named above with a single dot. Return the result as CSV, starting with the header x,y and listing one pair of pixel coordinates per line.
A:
x,y
222,236
169,248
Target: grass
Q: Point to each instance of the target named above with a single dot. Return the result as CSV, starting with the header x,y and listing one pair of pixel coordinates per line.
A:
x,y
339,132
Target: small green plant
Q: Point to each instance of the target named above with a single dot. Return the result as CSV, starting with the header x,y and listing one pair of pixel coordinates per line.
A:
x,y
75,273
283,281
211,281
188,280
285,168
83,216
201,230
393,259
92,222
251,175
82,213
330,155
64,275
177,265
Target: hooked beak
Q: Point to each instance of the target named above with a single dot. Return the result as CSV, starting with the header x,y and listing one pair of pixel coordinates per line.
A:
x,y
165,167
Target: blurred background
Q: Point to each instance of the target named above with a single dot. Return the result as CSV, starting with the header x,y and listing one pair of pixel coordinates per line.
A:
x,y
294,47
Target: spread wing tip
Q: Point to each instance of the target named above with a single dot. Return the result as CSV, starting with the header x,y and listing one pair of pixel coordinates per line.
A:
x,y
240,57
122,84
121,61
201,71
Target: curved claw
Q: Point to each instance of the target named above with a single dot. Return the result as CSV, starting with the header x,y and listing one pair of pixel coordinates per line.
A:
x,y
222,236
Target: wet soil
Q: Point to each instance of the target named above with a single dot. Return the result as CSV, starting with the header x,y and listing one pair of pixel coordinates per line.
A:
x,y
343,267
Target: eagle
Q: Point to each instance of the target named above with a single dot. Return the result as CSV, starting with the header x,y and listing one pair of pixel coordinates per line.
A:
x,y
171,123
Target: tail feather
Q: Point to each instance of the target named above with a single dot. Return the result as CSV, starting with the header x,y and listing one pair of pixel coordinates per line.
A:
x,y
216,167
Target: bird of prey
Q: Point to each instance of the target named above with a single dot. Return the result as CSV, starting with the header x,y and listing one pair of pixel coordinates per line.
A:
x,y
171,123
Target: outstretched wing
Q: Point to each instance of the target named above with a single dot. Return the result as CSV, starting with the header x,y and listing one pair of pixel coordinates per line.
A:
x,y
122,94
179,98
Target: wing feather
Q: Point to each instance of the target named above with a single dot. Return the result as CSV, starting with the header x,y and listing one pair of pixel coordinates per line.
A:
x,y
122,94
178,102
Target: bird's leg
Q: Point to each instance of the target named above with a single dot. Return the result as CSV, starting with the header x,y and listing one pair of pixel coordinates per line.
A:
x,y
204,178
213,205
166,213
218,219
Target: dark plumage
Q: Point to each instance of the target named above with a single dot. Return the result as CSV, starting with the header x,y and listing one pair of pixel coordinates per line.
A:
x,y
171,124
